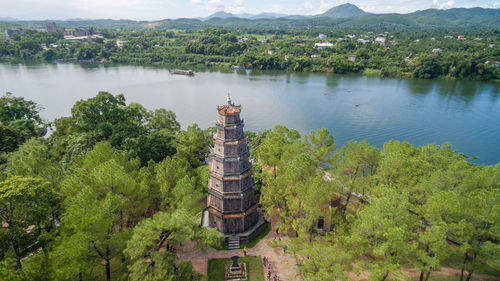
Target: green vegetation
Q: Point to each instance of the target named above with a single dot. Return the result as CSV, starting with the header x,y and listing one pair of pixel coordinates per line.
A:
x,y
115,190
255,271
420,53
414,207
257,238
105,197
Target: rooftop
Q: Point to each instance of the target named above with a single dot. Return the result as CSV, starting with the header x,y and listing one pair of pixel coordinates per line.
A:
x,y
229,108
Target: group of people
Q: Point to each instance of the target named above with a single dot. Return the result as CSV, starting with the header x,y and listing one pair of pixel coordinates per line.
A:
x,y
267,265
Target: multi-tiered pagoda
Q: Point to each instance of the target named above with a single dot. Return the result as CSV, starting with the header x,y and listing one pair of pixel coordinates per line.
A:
x,y
231,203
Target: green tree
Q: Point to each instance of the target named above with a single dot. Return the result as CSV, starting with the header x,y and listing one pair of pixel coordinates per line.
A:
x,y
320,145
354,165
26,209
193,145
19,121
153,244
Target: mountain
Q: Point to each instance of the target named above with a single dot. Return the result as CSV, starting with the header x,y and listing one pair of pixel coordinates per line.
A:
x,y
345,16
344,11
220,14
7,19
473,14
225,15
267,16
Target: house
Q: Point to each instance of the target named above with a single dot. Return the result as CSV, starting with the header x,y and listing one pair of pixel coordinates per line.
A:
x,y
494,63
448,37
393,43
492,45
363,41
242,40
271,52
300,44
408,58
461,37
417,40
352,58
323,45
433,39
120,43
437,50
264,41
322,36
286,57
380,39
478,39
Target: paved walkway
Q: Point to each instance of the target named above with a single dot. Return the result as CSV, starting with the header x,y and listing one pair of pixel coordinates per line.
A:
x,y
283,265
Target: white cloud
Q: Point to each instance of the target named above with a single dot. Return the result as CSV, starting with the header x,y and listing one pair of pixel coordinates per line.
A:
x,y
447,5
236,7
209,5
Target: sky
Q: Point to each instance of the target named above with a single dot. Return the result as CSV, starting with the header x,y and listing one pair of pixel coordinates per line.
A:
x,y
163,9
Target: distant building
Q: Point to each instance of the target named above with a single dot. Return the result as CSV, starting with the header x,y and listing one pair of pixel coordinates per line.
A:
x,y
380,39
417,40
271,52
437,50
478,39
120,43
323,45
408,58
352,58
300,44
461,37
393,43
433,39
492,45
287,57
75,32
51,27
264,41
242,40
322,36
363,41
448,36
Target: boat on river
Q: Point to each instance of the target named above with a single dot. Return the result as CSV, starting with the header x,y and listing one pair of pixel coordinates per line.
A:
x,y
182,72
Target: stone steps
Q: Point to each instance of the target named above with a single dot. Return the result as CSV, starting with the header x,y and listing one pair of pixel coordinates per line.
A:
x,y
233,242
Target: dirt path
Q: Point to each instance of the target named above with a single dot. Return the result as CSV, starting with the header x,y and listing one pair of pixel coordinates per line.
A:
x,y
283,265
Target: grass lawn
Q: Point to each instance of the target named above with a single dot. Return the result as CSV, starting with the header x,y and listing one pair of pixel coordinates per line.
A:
x,y
257,238
255,271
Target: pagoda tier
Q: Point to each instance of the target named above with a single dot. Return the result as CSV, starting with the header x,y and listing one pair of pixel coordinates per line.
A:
x,y
231,203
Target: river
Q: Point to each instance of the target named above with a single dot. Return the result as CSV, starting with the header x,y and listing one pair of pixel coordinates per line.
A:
x,y
464,113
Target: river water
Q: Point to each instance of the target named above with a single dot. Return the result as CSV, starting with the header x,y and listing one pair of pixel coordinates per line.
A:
x,y
464,113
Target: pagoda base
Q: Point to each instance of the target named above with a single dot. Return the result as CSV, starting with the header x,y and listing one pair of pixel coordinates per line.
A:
x,y
250,233
244,236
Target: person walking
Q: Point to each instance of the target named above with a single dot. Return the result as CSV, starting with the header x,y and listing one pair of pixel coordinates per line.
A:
x,y
269,275
268,265
245,251
264,261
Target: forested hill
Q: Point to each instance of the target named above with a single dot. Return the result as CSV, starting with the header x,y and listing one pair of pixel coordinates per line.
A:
x,y
343,16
